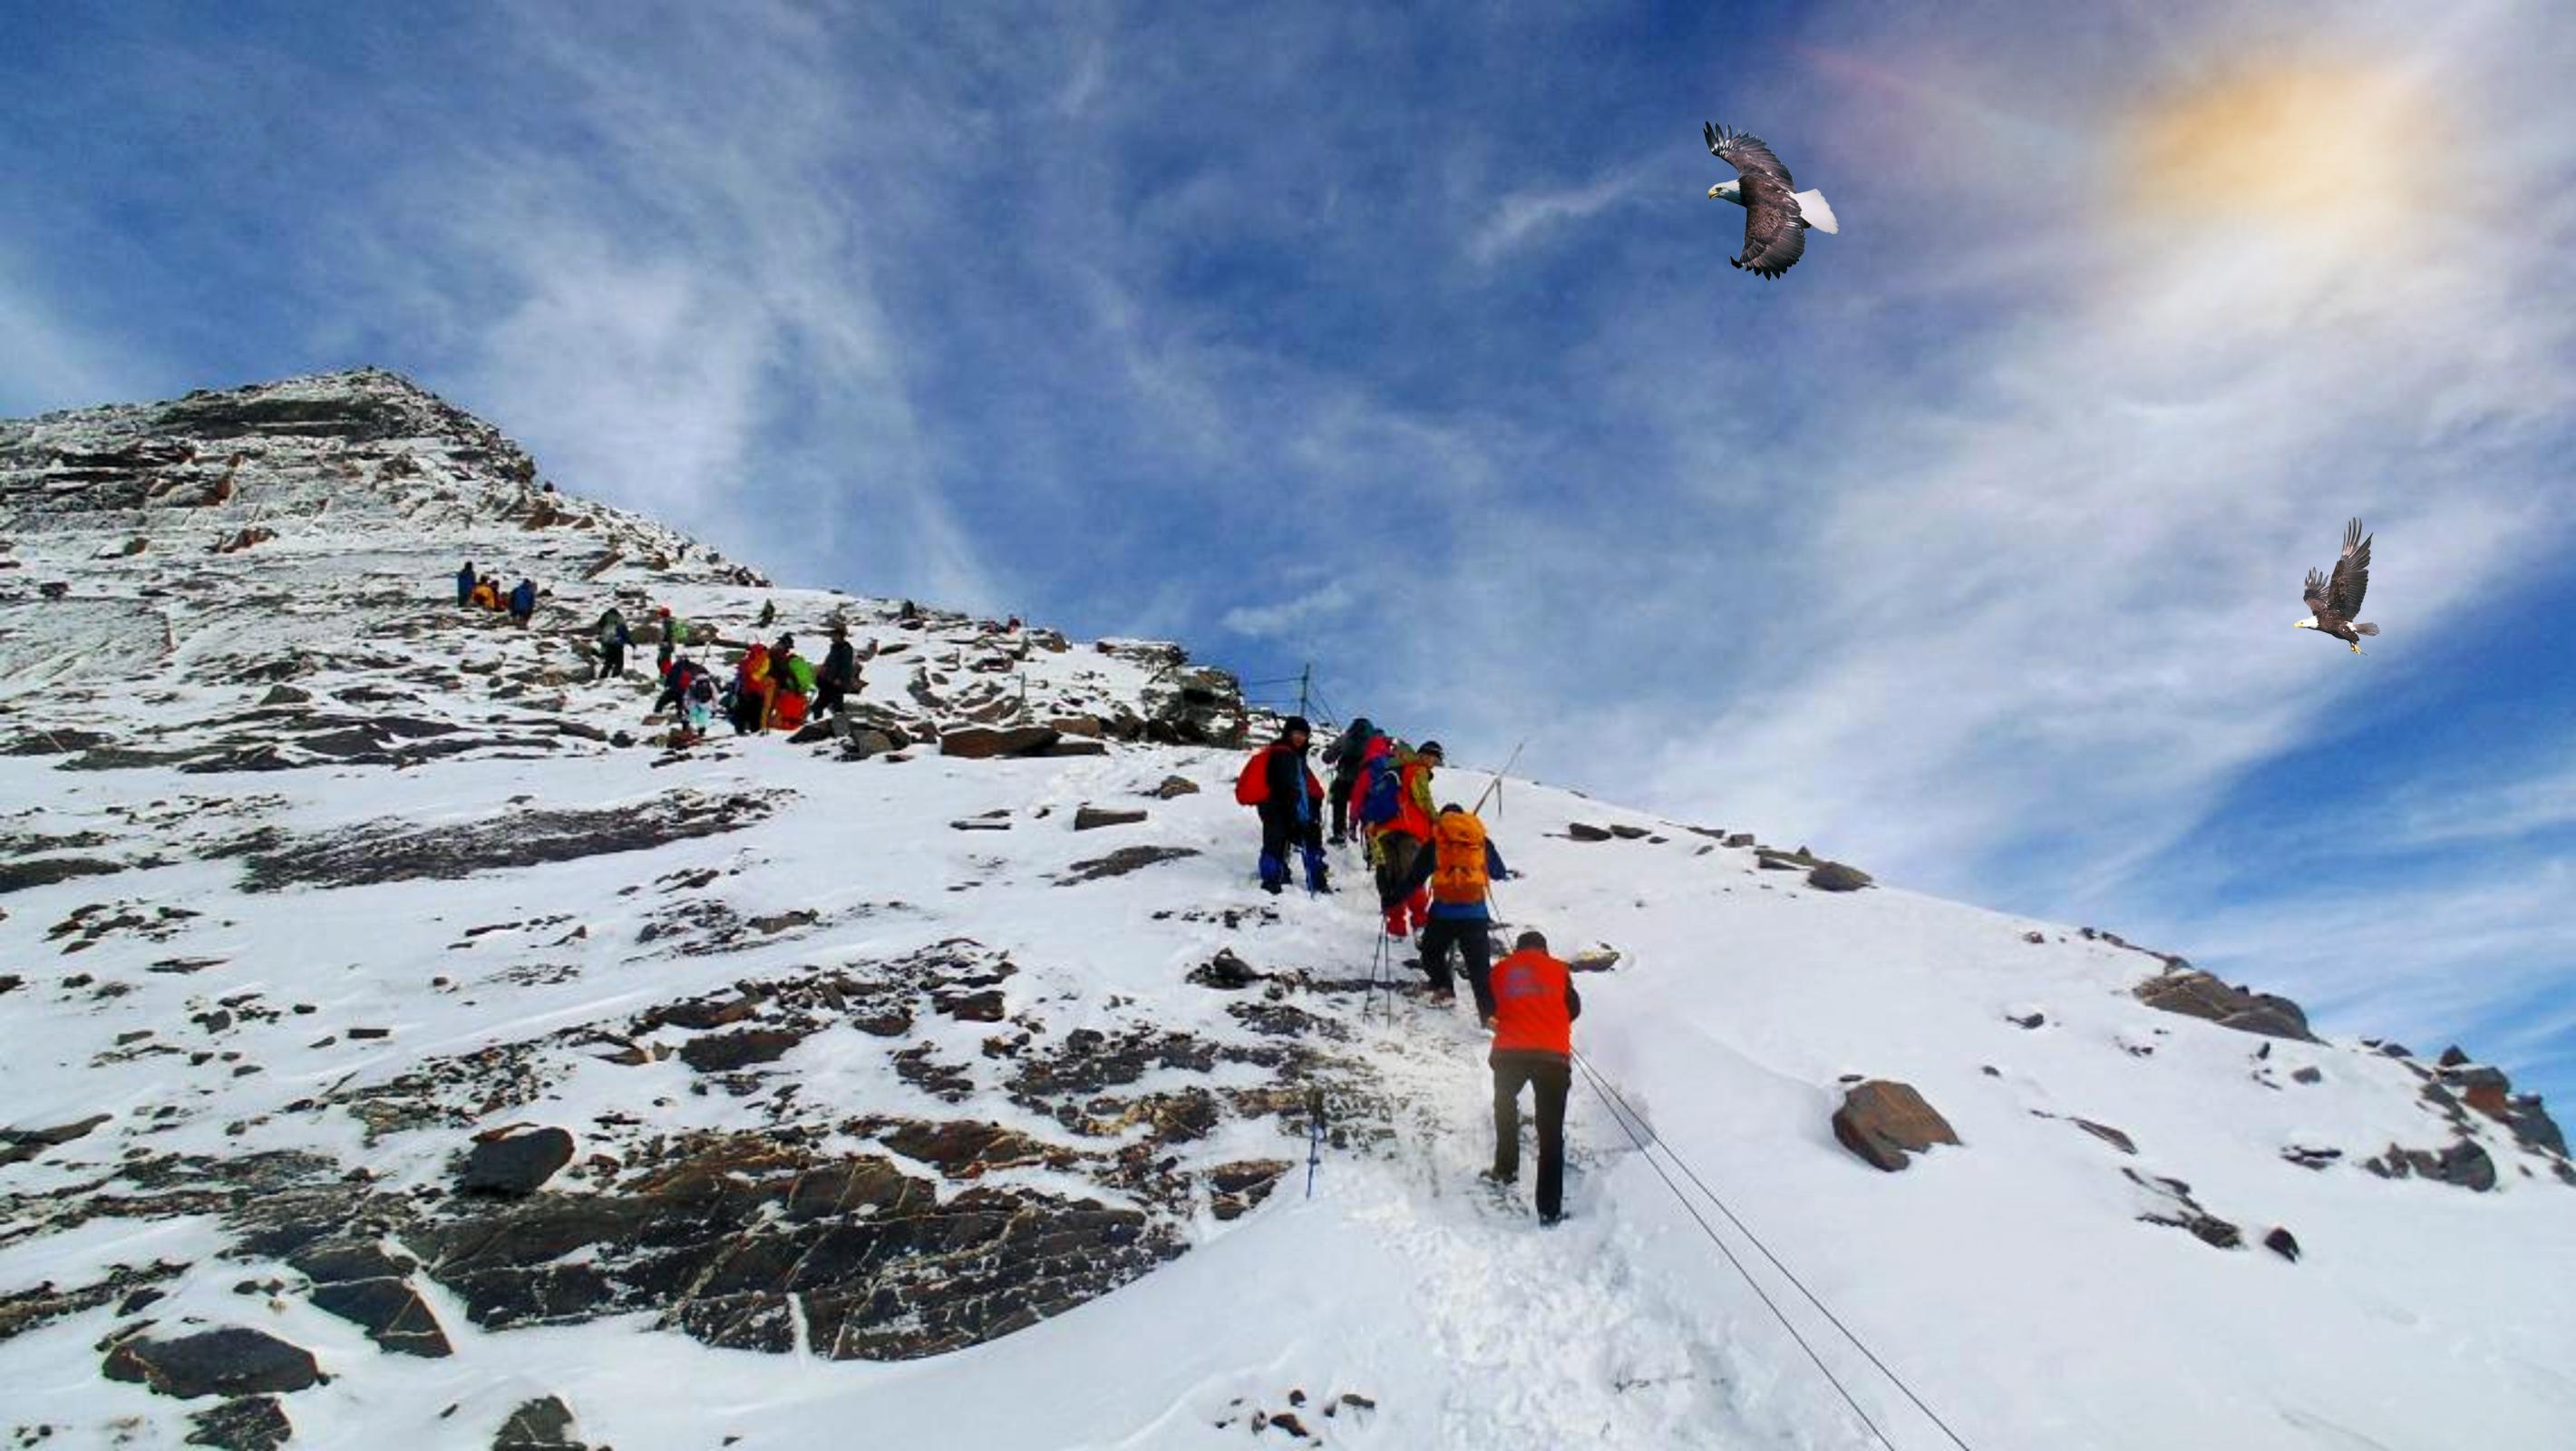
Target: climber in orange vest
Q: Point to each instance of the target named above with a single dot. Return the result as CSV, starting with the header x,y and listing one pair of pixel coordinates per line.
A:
x,y
1459,866
1535,1006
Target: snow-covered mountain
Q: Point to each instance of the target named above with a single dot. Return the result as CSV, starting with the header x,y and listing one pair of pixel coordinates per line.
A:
x,y
405,1048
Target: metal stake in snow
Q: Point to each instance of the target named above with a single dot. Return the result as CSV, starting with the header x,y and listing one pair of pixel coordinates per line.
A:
x,y
1496,785
1314,1135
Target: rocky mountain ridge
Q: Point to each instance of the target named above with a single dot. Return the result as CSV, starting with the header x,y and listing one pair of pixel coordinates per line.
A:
x,y
389,995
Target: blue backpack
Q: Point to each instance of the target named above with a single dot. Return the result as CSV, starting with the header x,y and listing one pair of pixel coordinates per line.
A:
x,y
1384,800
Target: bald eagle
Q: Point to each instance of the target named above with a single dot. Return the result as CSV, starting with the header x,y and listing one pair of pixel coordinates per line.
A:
x,y
2332,603
1776,218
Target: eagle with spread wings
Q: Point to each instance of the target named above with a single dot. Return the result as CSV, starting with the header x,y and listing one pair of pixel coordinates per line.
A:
x,y
2332,602
1776,214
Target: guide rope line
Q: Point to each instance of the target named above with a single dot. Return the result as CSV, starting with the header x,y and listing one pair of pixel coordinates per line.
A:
x,y
1624,1112
1706,1228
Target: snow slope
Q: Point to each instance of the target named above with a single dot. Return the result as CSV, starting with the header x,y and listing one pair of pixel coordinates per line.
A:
x,y
326,1021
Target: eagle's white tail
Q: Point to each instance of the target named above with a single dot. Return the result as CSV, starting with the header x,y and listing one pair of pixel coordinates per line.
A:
x,y
2365,629
1819,215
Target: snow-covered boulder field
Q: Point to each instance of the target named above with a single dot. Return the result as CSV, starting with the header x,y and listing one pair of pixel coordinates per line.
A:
x,y
406,1046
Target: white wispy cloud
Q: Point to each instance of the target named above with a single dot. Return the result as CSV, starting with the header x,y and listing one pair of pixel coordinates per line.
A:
x,y
1521,216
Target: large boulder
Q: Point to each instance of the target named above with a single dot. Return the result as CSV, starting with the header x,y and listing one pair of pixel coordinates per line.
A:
x,y
2196,994
1883,1122
982,743
233,1361
516,1164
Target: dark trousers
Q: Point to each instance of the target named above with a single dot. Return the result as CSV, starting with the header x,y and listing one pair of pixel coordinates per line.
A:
x,y
1342,806
1475,953
1551,1076
612,661
827,699
1282,836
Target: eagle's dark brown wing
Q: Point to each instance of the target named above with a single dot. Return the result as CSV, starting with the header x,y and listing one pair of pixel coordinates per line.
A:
x,y
1775,232
2315,594
2351,574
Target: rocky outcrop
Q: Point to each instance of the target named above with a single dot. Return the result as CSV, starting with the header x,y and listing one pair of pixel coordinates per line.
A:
x,y
515,1164
544,1424
232,1361
1885,1122
251,1423
2196,994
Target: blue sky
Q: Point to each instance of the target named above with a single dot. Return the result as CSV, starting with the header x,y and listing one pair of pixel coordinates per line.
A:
x,y
1401,339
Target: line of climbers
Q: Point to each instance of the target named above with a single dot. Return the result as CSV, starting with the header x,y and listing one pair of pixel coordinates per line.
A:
x,y
1434,870
484,592
772,686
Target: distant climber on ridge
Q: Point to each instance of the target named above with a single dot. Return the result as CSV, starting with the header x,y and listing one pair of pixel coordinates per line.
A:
x,y
523,602
675,632
840,673
1277,783
613,640
465,584
1535,1006
1460,863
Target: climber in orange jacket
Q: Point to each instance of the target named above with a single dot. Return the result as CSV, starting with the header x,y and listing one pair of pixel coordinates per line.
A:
x,y
1535,1006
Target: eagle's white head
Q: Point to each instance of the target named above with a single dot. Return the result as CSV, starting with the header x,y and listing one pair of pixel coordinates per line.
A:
x,y
2309,623
1728,191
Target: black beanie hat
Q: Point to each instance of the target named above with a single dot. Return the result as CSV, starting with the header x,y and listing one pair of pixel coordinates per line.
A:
x,y
1295,725
1432,748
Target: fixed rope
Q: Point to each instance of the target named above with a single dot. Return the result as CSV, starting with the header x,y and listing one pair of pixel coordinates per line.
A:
x,y
1631,1122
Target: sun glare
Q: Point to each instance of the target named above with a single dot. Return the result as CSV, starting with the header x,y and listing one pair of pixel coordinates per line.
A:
x,y
2314,152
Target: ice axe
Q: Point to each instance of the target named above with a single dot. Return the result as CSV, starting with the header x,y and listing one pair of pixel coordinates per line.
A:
x,y
1314,1134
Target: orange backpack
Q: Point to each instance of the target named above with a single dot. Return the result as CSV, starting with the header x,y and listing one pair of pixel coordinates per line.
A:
x,y
1458,873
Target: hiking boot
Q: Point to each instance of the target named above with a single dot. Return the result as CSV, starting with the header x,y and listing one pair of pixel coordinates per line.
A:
x,y
1497,1179
1551,1221
1274,888
1444,996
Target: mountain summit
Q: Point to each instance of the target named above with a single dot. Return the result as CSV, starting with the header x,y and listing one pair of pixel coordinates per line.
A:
x,y
408,1046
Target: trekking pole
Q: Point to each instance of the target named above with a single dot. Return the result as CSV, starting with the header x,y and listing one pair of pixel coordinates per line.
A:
x,y
1497,783
1314,1134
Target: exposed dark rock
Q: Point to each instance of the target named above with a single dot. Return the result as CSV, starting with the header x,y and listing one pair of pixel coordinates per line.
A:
x,y
2176,1209
389,1310
250,1423
1122,861
1837,877
2198,995
25,1310
978,743
1882,1122
2283,1243
2464,1163
393,851
1236,1188
1225,970
1174,787
2106,1134
1630,833
725,1052
2310,1158
2026,1020
1585,831
17,876
232,1361
19,1145
2309,1074
1092,818
1591,959
517,1163
545,1424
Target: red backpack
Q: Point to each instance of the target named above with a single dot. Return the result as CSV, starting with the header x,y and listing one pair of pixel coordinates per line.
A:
x,y
1253,786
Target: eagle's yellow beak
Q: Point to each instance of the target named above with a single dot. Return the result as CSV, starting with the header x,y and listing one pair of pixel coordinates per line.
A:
x,y
1712,191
